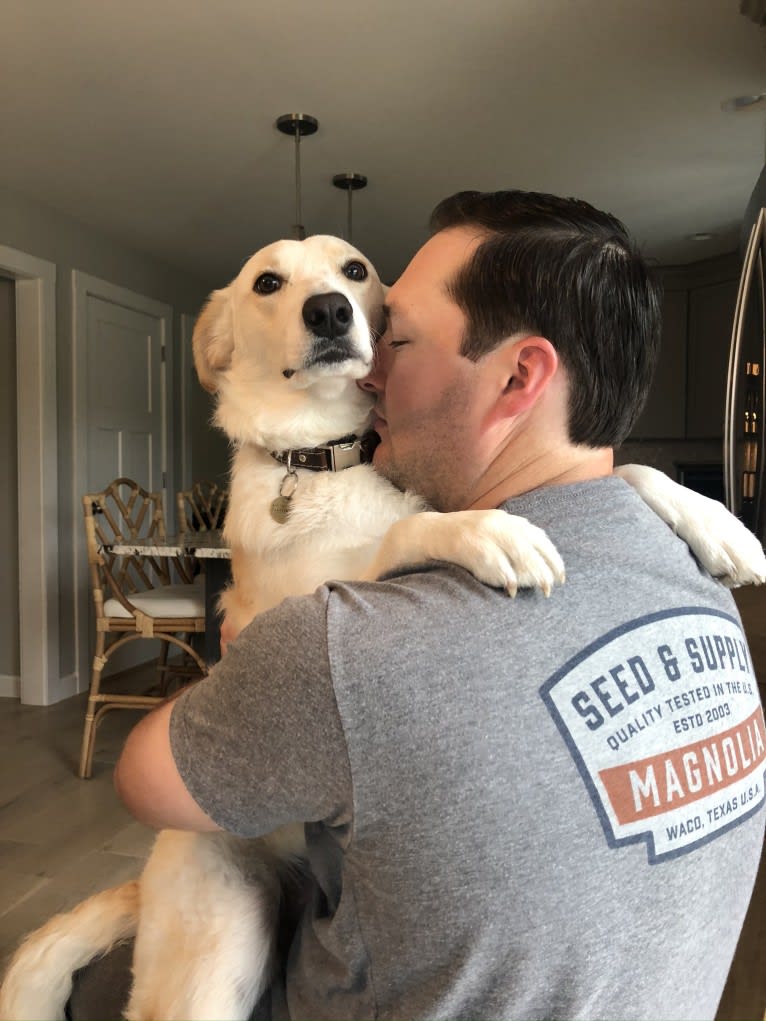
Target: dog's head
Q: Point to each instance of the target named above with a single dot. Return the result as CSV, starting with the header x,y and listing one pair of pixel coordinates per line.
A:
x,y
283,345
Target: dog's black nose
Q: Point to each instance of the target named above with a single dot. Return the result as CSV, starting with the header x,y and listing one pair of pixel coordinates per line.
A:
x,y
328,315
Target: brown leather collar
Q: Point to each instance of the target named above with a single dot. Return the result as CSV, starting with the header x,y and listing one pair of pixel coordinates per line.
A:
x,y
330,457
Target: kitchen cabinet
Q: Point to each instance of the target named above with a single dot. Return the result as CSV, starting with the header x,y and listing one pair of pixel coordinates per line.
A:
x,y
711,313
688,394
664,416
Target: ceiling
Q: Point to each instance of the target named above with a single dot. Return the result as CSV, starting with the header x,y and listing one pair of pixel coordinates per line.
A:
x,y
153,121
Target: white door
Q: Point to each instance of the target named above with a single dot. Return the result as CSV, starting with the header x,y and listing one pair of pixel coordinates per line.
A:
x,y
125,396
123,415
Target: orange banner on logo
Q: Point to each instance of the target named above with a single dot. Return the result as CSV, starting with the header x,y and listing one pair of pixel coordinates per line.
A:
x,y
662,783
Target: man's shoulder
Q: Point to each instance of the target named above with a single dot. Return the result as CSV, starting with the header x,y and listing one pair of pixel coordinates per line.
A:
x,y
591,494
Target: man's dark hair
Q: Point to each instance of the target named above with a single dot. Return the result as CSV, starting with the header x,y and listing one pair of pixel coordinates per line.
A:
x,y
563,270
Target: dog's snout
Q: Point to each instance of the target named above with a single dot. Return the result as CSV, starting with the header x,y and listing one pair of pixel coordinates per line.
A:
x,y
328,315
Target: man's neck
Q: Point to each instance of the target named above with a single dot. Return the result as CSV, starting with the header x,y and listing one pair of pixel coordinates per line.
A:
x,y
539,469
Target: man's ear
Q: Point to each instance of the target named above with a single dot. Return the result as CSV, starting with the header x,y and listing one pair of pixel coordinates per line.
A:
x,y
213,339
530,365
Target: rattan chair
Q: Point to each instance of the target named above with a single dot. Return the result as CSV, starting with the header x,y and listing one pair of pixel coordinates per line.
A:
x,y
201,508
136,596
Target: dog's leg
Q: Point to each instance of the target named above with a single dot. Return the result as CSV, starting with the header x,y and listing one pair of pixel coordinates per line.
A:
x,y
206,936
722,544
38,981
501,550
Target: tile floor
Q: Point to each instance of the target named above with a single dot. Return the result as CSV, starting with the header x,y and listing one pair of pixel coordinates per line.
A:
x,y
61,838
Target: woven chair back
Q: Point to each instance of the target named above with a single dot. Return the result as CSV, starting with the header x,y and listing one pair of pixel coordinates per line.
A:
x,y
123,512
203,507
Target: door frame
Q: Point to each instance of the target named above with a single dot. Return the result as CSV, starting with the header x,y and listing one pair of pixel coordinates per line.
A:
x,y
84,287
35,286
186,372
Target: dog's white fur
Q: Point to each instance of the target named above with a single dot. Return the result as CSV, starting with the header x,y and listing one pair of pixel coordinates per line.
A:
x,y
203,910
243,344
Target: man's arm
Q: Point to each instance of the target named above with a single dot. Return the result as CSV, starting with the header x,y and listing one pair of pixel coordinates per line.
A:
x,y
148,783
255,745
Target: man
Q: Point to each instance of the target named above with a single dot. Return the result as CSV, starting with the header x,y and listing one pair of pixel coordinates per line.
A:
x,y
550,808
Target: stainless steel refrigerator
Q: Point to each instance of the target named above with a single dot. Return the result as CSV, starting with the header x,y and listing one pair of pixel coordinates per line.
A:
x,y
744,450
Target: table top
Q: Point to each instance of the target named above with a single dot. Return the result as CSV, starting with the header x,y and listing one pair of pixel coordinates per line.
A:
x,y
203,545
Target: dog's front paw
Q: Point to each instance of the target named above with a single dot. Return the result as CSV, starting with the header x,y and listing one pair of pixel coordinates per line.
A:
x,y
722,544
502,550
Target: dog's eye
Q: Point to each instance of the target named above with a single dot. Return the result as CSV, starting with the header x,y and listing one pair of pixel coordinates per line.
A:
x,y
267,283
355,270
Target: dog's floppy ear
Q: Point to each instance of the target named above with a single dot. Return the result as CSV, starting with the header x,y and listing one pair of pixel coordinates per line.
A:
x,y
213,339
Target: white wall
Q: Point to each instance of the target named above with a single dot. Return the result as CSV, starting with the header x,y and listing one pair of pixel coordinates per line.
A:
x,y
42,232
10,667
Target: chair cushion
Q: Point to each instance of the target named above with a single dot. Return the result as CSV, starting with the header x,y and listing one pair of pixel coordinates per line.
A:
x,y
164,601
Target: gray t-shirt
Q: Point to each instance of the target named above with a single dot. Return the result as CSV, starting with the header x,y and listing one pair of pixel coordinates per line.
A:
x,y
529,808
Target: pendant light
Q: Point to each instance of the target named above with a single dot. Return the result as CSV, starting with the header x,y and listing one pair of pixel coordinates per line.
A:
x,y
297,125
349,183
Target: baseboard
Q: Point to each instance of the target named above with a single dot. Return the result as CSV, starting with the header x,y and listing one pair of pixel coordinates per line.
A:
x,y
59,688
66,687
10,686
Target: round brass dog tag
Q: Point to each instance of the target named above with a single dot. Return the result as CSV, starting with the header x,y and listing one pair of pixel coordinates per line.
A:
x,y
280,508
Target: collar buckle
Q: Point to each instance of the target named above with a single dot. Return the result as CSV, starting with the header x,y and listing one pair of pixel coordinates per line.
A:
x,y
345,454
336,456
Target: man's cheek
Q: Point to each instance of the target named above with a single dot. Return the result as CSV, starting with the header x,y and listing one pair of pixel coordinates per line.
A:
x,y
415,395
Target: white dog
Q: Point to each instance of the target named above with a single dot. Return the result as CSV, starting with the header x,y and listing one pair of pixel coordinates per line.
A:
x,y
283,346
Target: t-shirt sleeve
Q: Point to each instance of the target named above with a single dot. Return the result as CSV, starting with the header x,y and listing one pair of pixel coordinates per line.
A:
x,y
259,742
